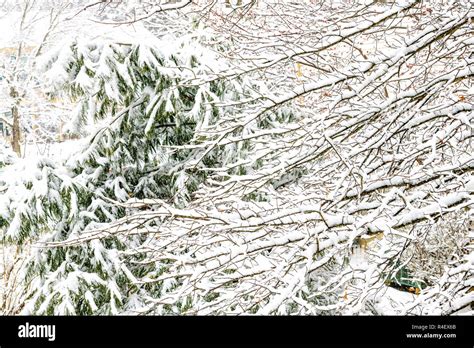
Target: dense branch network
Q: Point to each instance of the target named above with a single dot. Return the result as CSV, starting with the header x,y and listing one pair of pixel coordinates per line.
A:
x,y
361,128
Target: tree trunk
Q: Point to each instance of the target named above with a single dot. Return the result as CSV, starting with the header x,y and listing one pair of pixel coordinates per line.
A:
x,y
16,123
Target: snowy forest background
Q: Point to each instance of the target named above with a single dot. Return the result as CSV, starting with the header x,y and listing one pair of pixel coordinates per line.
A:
x,y
236,157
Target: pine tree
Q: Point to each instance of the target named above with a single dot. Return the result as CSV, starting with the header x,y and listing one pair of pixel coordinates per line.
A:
x,y
138,94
